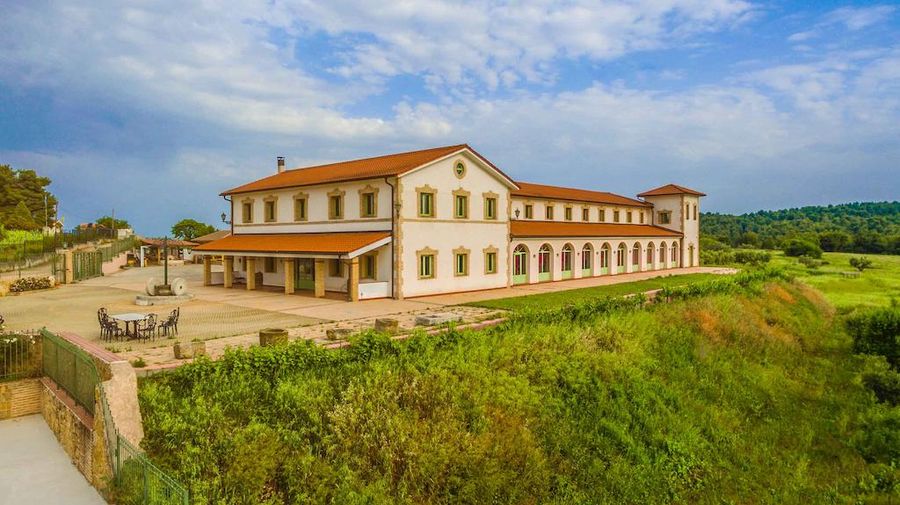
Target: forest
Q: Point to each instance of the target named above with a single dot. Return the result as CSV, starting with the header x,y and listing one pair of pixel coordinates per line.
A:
x,y
25,203
866,227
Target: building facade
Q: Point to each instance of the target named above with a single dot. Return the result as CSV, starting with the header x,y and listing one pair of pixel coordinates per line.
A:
x,y
439,221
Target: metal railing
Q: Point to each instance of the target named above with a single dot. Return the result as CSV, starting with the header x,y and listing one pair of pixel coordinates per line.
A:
x,y
19,356
136,480
71,368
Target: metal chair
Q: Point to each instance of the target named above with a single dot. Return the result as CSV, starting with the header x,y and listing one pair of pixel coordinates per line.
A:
x,y
170,324
147,328
112,328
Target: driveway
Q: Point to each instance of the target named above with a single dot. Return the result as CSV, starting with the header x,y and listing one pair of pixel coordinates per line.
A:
x,y
34,469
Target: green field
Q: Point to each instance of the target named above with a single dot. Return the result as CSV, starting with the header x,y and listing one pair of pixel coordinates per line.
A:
x,y
560,298
874,287
747,396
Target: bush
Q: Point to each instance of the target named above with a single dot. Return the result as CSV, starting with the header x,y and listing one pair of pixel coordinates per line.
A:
x,y
885,384
755,258
799,247
861,263
877,332
30,284
711,244
810,263
716,257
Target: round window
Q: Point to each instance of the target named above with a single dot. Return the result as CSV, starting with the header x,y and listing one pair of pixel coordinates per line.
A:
x,y
460,169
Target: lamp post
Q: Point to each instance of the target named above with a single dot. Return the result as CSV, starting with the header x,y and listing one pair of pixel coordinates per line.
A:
x,y
166,260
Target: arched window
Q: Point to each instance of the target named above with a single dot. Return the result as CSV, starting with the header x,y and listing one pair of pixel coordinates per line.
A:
x,y
587,257
605,251
621,254
545,259
636,255
674,256
662,253
520,264
567,257
650,249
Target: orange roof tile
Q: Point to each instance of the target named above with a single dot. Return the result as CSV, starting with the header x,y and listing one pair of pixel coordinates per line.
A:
x,y
521,229
315,243
367,168
671,189
527,189
158,242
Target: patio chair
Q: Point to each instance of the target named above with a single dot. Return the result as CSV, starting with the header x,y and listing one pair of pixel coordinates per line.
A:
x,y
102,318
170,324
147,328
111,328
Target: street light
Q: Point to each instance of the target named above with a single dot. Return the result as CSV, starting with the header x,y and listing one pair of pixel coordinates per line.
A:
x,y
224,216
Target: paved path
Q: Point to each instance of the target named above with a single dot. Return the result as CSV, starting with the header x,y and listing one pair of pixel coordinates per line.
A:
x,y
34,469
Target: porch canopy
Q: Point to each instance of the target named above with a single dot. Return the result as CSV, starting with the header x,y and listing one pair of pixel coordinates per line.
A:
x,y
293,248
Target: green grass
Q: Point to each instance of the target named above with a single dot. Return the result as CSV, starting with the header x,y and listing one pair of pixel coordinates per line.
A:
x,y
747,397
560,298
874,287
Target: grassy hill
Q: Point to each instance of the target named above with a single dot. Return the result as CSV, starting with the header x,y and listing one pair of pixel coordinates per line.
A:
x,y
737,393
868,227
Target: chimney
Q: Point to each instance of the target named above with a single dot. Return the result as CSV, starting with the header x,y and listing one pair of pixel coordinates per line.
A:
x,y
280,164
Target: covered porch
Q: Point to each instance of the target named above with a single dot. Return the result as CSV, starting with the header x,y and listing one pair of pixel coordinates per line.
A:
x,y
353,265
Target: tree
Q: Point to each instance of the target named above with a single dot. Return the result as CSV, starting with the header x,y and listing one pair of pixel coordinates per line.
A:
x,y
21,219
27,187
188,229
835,241
799,247
750,239
119,224
860,263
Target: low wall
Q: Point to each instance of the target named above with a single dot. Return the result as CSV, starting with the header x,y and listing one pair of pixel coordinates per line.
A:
x,y
73,427
20,398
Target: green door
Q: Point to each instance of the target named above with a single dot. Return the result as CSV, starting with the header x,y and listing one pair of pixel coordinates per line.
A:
x,y
304,274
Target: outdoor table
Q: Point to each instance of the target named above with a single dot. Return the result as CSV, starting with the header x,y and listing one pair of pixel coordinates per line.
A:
x,y
131,320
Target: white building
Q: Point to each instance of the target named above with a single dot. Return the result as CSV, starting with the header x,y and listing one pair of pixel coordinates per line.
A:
x,y
437,221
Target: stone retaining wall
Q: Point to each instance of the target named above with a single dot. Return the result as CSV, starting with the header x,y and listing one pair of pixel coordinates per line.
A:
x,y
20,398
72,425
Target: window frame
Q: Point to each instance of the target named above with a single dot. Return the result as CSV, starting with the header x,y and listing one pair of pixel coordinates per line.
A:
x,y
567,213
432,198
529,211
464,195
335,268
336,196
365,194
365,272
664,216
247,205
301,200
464,255
491,252
491,200
270,202
548,212
269,265
428,255
617,216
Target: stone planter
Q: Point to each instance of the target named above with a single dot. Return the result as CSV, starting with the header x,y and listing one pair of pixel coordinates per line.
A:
x,y
198,349
189,350
338,333
272,336
385,325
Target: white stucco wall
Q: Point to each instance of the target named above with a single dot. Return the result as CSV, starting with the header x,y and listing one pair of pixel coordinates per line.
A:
x,y
443,233
682,221
559,212
317,209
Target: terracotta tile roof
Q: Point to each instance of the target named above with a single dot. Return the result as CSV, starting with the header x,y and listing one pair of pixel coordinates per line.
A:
x,y
367,168
521,229
320,243
671,189
529,190
209,237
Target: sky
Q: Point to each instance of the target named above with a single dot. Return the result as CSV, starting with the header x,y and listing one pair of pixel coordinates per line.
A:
x,y
153,108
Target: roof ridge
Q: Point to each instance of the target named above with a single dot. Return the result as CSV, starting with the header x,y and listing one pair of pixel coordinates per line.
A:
x,y
417,151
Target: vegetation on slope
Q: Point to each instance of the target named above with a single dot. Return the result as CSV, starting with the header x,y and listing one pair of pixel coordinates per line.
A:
x,y
869,227
748,392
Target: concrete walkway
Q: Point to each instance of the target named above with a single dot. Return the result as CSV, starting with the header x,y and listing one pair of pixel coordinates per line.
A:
x,y
34,469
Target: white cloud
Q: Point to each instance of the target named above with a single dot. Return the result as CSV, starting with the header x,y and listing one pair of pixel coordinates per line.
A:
x,y
850,18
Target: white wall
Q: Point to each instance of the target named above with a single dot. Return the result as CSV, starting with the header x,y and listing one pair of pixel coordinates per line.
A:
x,y
444,233
559,212
317,210
682,209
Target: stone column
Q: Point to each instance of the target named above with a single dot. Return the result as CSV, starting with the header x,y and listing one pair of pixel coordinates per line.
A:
x,y
228,263
288,276
207,271
251,273
353,287
70,267
320,278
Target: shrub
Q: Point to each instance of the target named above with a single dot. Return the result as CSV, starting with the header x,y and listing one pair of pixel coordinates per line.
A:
x,y
139,363
799,247
711,244
30,284
885,384
755,258
716,257
861,263
877,331
810,263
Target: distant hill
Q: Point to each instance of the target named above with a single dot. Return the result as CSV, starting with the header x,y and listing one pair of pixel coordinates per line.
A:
x,y
866,227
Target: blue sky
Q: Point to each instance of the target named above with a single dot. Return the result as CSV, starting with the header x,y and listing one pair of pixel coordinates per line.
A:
x,y
153,108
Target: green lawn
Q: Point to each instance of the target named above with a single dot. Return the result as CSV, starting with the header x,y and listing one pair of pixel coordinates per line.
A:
x,y
560,298
873,287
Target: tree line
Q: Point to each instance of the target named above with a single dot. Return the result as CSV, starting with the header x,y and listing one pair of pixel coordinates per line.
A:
x,y
863,227
25,202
